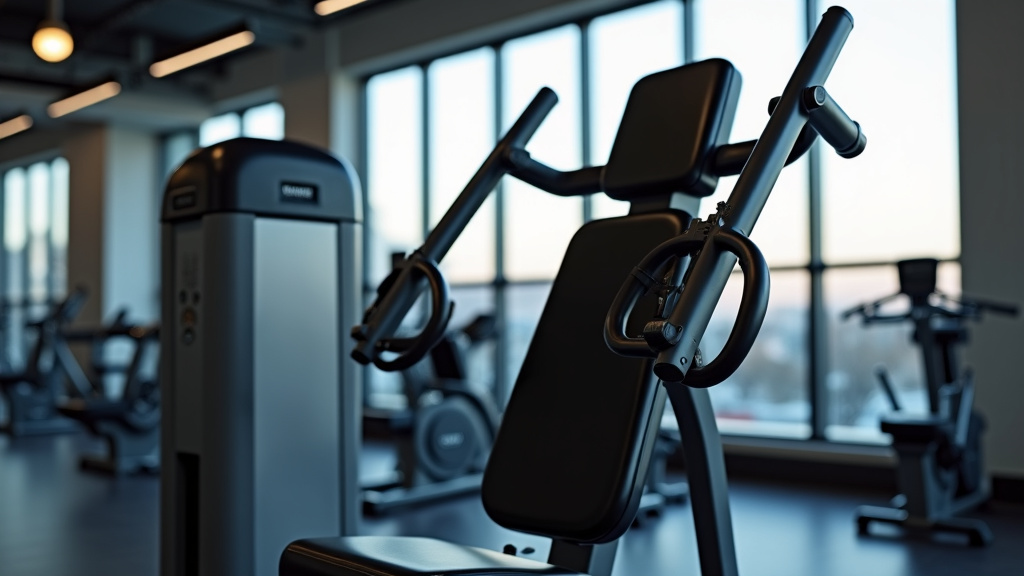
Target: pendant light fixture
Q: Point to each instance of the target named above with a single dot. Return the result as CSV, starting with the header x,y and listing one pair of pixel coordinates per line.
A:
x,y
52,41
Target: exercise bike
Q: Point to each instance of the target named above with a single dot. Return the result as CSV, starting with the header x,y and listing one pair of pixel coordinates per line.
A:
x,y
939,465
444,443
129,424
571,458
32,394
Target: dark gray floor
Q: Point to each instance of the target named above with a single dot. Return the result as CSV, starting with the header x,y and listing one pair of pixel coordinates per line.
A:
x,y
56,520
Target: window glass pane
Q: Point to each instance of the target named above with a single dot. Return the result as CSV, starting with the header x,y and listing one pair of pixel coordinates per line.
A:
x,y
219,128
15,234
907,177
855,397
764,41
768,394
266,121
524,304
15,239
394,180
38,230
461,124
59,229
624,47
539,225
177,147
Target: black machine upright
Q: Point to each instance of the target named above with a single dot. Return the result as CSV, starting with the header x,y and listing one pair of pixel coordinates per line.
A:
x,y
940,470
579,431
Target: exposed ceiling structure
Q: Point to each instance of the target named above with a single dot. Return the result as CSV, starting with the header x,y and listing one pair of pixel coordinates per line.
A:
x,y
119,39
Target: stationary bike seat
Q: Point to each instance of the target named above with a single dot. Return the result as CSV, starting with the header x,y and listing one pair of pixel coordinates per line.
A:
x,y
917,428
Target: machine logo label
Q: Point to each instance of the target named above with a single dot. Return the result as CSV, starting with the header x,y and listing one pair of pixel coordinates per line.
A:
x,y
305,193
451,440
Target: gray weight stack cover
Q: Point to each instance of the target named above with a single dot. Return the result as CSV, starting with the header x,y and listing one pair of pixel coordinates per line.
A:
x,y
260,282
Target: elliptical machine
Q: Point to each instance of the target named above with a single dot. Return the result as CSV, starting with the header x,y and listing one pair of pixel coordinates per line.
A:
x,y
939,456
443,445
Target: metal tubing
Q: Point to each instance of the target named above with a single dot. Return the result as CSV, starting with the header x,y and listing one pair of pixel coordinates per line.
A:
x,y
397,296
835,127
486,178
709,485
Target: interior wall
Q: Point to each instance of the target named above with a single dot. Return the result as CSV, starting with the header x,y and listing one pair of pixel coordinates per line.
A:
x,y
990,46
131,234
85,152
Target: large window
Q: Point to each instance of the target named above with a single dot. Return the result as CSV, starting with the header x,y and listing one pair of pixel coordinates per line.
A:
x,y
831,231
33,264
264,121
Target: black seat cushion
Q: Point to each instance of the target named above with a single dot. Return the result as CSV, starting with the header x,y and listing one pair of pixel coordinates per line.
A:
x,y
92,409
917,428
401,556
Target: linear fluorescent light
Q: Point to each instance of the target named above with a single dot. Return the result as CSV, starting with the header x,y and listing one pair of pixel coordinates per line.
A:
x,y
325,7
83,99
205,52
15,125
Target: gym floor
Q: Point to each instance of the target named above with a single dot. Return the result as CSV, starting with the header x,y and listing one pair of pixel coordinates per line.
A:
x,y
56,520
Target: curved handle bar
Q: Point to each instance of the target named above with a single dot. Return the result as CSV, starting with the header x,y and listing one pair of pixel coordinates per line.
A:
x,y
990,306
399,291
406,280
869,310
412,350
730,158
662,335
749,317
643,277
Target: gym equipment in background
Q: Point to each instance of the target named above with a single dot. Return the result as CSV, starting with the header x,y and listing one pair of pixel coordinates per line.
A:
x,y
939,466
260,432
576,439
130,424
444,443
50,373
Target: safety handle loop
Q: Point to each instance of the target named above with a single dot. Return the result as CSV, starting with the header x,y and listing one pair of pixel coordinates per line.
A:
x,y
636,284
749,317
411,350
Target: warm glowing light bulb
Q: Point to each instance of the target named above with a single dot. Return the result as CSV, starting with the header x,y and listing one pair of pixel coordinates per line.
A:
x,y
52,41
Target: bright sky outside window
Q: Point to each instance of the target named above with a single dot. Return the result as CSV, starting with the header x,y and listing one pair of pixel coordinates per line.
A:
x,y
395,167
539,225
461,101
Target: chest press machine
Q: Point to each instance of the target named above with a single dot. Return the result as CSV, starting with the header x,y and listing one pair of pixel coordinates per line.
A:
x,y
570,459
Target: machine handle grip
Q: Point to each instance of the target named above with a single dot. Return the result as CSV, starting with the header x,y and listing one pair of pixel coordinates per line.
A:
x,y
829,120
998,307
396,296
662,337
749,317
643,277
